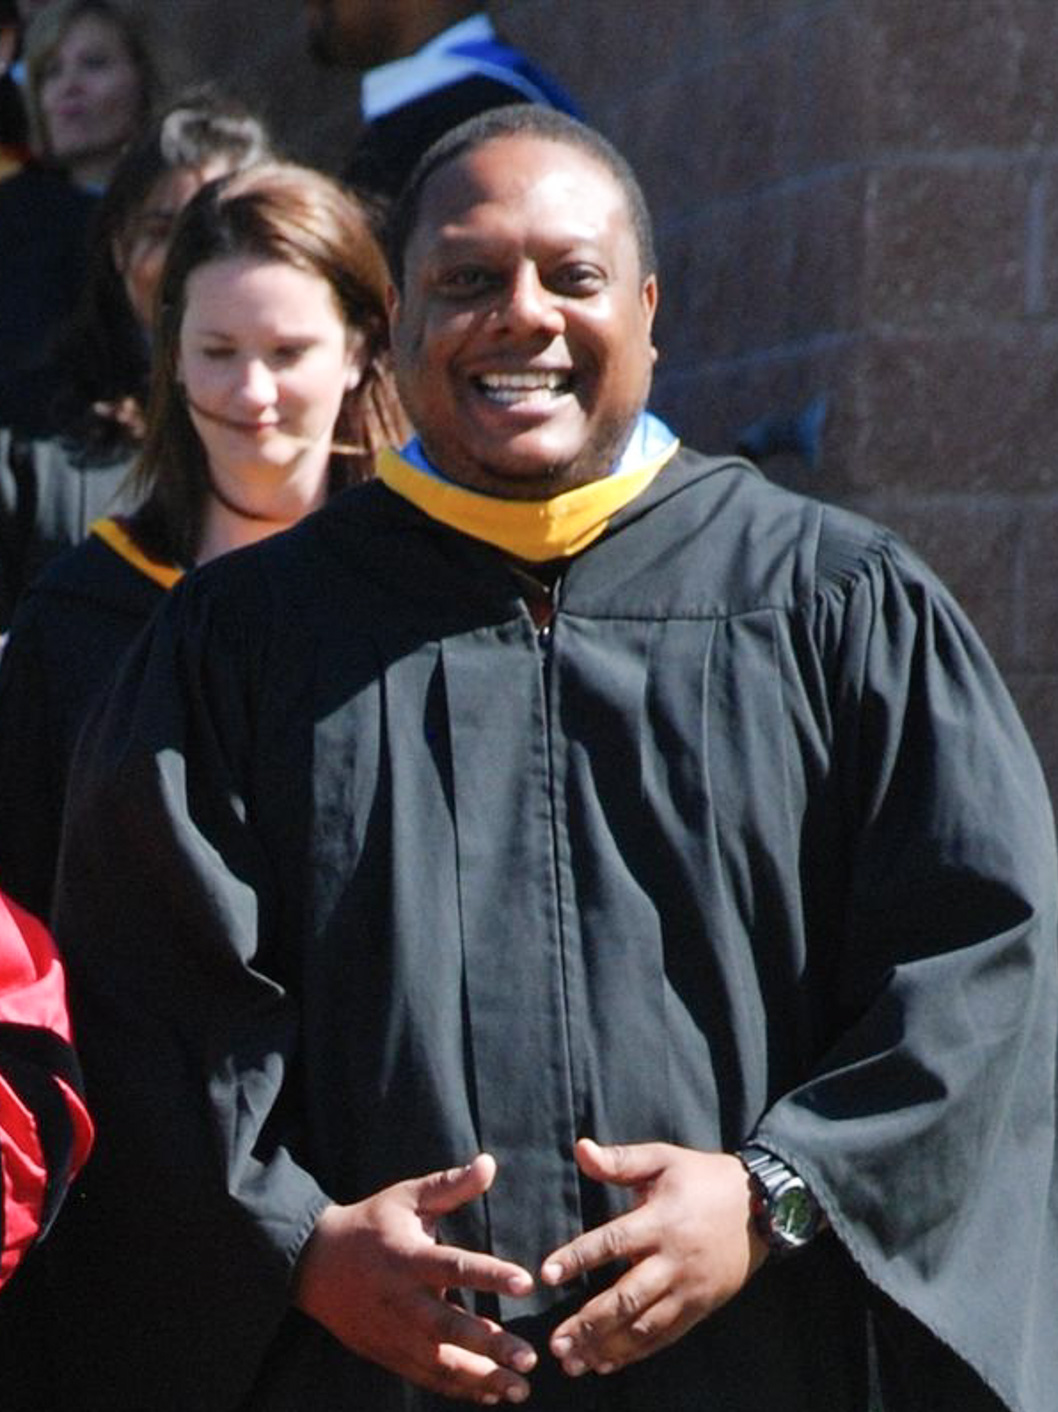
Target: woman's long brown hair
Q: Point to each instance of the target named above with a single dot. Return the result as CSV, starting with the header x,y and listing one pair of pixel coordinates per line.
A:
x,y
297,216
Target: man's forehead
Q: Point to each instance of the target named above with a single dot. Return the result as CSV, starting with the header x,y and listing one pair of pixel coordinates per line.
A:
x,y
522,172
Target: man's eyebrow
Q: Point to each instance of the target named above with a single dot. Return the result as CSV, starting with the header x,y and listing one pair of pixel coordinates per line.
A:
x,y
453,234
454,246
572,240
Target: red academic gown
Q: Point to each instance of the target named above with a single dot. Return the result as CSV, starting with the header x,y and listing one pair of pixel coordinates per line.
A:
x,y
45,1130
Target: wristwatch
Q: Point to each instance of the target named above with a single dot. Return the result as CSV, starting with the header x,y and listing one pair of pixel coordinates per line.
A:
x,y
785,1213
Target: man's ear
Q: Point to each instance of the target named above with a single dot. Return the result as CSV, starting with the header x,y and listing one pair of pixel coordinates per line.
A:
x,y
649,296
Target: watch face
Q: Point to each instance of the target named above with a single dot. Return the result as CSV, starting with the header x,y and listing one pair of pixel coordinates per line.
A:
x,y
794,1214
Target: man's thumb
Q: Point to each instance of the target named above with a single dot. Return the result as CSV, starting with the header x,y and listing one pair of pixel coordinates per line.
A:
x,y
626,1164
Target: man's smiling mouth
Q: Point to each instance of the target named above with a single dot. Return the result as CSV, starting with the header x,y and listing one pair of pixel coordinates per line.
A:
x,y
534,387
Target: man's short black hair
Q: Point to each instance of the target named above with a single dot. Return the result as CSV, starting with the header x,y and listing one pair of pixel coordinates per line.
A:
x,y
515,120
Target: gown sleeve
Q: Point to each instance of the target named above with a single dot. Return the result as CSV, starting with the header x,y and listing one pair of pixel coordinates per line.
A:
x,y
45,1131
927,1128
188,1039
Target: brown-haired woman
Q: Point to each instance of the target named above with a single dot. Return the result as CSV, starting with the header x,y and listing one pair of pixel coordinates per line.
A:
x,y
270,391
227,461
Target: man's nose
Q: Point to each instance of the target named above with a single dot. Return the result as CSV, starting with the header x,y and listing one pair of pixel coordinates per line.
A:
x,y
530,306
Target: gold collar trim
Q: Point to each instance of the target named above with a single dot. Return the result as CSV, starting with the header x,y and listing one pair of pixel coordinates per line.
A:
x,y
114,534
533,530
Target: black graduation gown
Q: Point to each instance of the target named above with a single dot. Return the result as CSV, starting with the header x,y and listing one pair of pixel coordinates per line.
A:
x,y
66,639
363,874
45,236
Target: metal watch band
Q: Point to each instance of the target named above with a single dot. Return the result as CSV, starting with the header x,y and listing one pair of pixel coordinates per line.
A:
x,y
785,1213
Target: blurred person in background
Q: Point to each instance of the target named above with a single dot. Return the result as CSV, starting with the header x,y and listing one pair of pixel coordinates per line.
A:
x,y
15,16
426,65
70,429
90,85
14,125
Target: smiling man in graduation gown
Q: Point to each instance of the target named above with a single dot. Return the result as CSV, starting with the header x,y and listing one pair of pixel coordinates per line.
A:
x,y
569,922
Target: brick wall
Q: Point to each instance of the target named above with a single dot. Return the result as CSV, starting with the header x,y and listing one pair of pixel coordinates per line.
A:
x,y
859,200
856,200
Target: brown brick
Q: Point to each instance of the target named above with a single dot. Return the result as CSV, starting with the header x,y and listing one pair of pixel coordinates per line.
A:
x,y
955,74
732,26
946,244
749,118
1043,244
1040,597
710,403
676,175
969,412
727,138
553,32
754,274
826,115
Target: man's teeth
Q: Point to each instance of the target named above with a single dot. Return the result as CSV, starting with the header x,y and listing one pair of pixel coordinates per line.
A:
x,y
510,388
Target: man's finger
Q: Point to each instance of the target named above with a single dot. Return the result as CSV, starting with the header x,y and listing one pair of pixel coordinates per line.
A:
x,y
457,1373
624,1238
458,1328
625,1164
601,1330
609,1327
449,1267
442,1347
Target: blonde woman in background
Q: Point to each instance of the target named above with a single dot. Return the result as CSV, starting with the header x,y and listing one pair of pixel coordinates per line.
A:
x,y
90,86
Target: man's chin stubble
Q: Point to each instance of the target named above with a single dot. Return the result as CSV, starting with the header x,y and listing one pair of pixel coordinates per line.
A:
x,y
592,463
